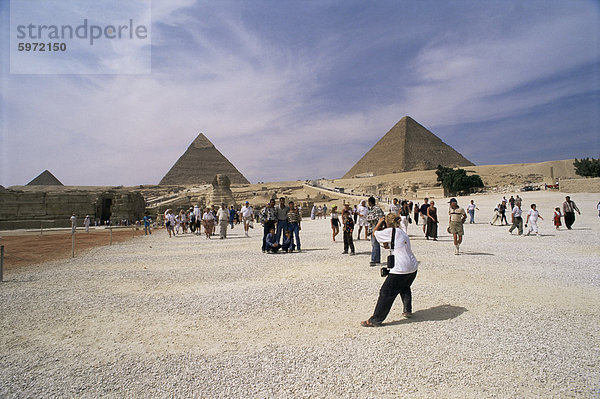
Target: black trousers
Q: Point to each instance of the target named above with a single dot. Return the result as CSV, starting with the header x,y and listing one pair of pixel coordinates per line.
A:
x,y
393,285
569,219
348,242
269,224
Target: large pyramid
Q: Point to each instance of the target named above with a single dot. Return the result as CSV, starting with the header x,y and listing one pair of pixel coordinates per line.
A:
x,y
200,163
407,146
45,179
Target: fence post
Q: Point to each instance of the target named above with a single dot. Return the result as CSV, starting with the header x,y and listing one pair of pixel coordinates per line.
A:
x,y
72,244
1,262
41,227
110,228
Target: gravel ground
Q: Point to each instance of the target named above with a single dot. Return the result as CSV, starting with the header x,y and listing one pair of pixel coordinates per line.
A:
x,y
511,317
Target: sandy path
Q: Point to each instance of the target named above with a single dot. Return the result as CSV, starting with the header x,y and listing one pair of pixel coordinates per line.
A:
x,y
188,317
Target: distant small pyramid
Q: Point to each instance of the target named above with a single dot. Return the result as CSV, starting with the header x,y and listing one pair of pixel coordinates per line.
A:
x,y
200,163
45,179
407,146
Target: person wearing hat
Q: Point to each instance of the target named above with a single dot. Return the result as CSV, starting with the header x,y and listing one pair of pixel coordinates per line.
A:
x,y
86,223
455,222
247,215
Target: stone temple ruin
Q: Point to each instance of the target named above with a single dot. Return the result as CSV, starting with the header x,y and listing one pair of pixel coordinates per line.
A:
x,y
27,209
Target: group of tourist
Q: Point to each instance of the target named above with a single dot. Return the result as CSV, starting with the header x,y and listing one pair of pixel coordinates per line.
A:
x,y
195,219
281,226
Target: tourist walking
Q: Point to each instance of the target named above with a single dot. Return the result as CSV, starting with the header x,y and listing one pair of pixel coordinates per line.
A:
x,y
170,222
404,212
569,209
313,212
324,211
416,211
223,219
395,206
517,219
423,211
232,216
86,223
147,221
456,222
432,222
374,214
471,209
348,227
400,277
335,222
532,217
268,218
502,210
294,219
247,217
362,219
511,201
198,219
556,218
208,221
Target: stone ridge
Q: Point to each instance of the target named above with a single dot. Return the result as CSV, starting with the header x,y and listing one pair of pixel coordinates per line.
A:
x,y
45,179
200,163
407,146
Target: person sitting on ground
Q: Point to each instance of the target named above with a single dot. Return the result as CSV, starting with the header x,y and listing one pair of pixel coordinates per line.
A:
x,y
287,245
271,242
400,277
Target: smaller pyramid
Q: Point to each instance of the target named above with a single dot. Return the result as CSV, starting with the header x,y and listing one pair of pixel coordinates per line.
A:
x,y
406,147
200,163
45,179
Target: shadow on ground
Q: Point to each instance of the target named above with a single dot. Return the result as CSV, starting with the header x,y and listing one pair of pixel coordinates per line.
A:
x,y
436,313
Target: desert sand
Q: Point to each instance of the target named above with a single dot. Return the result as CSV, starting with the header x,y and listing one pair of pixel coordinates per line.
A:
x,y
188,317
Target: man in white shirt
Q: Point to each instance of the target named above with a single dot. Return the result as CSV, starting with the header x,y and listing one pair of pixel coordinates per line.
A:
x,y
517,219
73,223
400,277
247,216
395,207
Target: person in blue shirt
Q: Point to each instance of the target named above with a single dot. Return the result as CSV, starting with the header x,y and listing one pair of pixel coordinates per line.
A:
x,y
231,216
147,221
271,242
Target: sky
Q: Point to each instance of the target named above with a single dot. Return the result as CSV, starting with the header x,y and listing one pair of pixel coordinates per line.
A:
x,y
291,90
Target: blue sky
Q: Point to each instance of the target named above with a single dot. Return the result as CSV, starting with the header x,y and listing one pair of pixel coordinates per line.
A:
x,y
303,89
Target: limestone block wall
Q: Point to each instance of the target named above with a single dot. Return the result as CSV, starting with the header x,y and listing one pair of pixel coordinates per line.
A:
x,y
584,185
33,209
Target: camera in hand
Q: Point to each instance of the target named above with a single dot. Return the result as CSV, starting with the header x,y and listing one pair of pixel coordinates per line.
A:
x,y
390,264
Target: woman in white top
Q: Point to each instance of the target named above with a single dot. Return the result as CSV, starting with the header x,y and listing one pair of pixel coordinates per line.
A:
x,y
335,222
400,277
208,220
532,217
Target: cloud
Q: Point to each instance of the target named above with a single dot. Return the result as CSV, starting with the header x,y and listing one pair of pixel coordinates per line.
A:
x,y
280,107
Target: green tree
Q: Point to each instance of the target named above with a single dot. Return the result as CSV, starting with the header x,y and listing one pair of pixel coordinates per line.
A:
x,y
456,181
587,167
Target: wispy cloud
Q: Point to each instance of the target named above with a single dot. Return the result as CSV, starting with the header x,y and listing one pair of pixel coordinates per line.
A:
x,y
282,107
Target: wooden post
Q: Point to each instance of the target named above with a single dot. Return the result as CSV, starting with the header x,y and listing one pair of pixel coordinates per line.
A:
x,y
72,244
1,262
110,228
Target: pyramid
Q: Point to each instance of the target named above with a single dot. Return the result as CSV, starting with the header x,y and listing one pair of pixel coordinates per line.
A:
x,y
45,179
407,146
200,163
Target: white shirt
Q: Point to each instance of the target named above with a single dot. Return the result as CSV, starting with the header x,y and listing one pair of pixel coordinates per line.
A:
x,y
247,211
517,212
471,207
362,211
197,212
405,261
394,208
223,215
208,216
533,215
